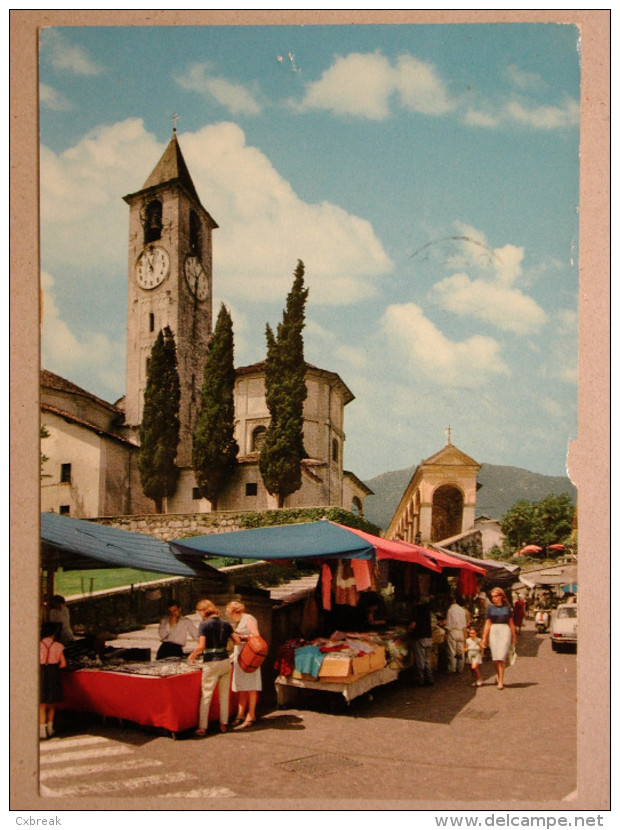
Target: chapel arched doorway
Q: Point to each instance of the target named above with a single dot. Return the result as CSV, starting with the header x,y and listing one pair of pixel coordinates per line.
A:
x,y
447,516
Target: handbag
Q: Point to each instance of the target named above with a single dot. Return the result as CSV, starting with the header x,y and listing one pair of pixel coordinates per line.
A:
x,y
253,653
512,656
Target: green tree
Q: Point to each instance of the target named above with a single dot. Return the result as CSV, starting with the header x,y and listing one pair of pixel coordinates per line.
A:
x,y
159,431
214,450
285,382
546,522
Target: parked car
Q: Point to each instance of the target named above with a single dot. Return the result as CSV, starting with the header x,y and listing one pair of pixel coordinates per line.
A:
x,y
564,626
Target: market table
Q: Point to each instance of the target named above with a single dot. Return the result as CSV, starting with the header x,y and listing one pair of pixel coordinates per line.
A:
x,y
286,686
169,702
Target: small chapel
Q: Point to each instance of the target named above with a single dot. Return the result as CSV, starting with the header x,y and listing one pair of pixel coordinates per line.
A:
x,y
89,447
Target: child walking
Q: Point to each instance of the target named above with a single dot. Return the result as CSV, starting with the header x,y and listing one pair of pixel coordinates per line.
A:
x,y
51,659
473,646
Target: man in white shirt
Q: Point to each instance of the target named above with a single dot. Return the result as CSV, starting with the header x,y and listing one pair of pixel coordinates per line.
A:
x,y
456,626
173,632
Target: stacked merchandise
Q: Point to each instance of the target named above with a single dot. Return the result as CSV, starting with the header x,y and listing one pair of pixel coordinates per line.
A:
x,y
343,657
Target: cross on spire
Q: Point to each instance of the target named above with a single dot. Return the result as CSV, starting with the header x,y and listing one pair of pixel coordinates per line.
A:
x,y
174,120
449,435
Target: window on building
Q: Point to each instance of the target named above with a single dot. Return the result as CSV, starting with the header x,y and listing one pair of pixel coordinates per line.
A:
x,y
258,438
194,232
65,473
151,322
196,494
335,450
356,506
251,488
64,509
152,221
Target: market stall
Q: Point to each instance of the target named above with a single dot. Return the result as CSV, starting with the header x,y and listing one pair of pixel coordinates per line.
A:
x,y
164,695
356,651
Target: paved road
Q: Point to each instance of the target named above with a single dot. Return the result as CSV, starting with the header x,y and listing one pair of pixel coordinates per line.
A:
x,y
449,745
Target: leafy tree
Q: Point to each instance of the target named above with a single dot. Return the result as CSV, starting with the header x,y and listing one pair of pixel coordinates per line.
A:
x,y
159,431
214,451
285,373
546,522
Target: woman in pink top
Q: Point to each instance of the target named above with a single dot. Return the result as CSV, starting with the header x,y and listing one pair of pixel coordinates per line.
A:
x,y
51,659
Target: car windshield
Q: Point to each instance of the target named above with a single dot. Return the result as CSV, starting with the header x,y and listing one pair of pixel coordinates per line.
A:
x,y
567,612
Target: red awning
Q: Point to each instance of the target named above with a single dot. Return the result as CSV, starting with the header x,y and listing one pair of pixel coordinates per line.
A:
x,y
529,549
448,561
401,551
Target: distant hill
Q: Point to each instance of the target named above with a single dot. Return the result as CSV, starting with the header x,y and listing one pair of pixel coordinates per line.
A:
x,y
500,488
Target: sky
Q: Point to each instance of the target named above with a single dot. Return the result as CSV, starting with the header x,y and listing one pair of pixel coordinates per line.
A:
x,y
426,175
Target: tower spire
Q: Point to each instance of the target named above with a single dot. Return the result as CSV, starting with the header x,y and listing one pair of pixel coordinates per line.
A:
x,y
449,435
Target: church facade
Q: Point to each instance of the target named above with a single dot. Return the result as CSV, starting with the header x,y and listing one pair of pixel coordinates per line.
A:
x,y
91,449
439,502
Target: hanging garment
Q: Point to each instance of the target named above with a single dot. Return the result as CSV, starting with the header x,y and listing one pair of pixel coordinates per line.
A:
x,y
326,586
362,574
467,585
346,592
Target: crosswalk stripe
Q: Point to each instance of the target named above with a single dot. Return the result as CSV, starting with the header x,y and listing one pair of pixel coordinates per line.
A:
x,y
84,770
108,787
82,740
85,753
207,792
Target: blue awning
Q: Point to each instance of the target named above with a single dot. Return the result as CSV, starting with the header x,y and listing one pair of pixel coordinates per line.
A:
x,y
311,540
76,543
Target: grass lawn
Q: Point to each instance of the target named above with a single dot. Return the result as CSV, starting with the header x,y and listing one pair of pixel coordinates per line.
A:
x,y
69,583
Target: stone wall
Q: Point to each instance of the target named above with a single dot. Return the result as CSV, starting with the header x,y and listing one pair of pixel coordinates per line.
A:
x,y
167,526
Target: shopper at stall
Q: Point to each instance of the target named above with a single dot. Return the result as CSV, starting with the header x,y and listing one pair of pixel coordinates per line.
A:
x,y
213,636
499,632
51,660
456,626
59,614
246,684
174,631
421,633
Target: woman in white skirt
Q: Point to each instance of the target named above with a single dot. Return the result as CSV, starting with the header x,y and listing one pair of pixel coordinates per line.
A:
x,y
499,632
246,684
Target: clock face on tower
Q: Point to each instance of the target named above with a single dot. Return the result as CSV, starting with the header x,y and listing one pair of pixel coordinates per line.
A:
x,y
196,277
152,267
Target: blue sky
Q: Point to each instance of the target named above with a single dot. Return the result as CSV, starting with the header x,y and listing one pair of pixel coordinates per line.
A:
x,y
427,175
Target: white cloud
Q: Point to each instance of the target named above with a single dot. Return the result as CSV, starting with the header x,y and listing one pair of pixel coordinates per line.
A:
x,y
264,226
420,88
66,57
491,297
83,219
365,85
517,113
52,99
235,97
421,348
102,359
321,341
562,354
524,79
544,118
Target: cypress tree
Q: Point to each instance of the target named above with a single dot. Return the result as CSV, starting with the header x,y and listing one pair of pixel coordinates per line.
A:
x,y
285,372
214,450
159,431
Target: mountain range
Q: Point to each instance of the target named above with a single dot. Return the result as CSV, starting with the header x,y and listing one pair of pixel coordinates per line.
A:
x,y
499,489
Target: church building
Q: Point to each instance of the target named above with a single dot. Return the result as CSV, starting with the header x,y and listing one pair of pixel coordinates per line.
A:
x,y
440,500
89,462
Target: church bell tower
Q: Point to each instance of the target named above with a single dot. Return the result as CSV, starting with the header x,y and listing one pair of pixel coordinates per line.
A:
x,y
169,284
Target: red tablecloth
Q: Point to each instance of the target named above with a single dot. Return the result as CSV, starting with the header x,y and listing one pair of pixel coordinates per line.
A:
x,y
168,702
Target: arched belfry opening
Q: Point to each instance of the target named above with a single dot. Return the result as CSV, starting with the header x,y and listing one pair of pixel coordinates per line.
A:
x,y
447,515
152,221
